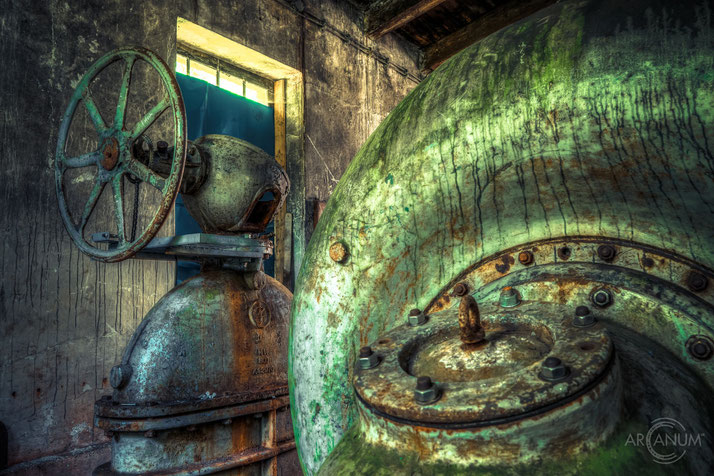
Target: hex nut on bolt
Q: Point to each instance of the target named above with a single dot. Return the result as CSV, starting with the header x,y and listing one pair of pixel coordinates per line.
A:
x,y
426,392
700,347
416,317
525,258
553,370
509,297
367,358
697,282
602,298
119,375
461,289
606,252
583,317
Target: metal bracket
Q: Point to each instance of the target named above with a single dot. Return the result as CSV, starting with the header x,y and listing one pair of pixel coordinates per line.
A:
x,y
197,246
106,237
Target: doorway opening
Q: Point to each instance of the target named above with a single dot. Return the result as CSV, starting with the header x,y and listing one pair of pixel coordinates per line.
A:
x,y
233,90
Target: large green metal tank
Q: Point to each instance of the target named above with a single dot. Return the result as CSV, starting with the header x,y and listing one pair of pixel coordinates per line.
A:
x,y
568,158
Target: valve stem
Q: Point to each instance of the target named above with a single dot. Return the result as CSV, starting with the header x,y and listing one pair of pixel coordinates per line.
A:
x,y
472,331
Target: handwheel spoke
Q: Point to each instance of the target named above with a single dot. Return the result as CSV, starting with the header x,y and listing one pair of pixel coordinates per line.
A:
x,y
84,160
149,118
118,207
94,113
91,203
123,93
147,175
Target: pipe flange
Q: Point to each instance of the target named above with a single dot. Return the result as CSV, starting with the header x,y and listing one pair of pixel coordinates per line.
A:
x,y
532,357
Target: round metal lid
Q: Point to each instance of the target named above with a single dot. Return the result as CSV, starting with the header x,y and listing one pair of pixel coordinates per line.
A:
x,y
508,374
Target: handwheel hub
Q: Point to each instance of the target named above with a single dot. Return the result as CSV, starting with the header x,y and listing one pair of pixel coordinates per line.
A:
x,y
110,153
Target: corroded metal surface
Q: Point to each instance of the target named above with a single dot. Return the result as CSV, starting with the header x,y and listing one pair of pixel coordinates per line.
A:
x,y
646,289
201,387
239,173
201,443
657,383
556,433
195,246
198,345
470,327
575,122
631,257
496,379
114,159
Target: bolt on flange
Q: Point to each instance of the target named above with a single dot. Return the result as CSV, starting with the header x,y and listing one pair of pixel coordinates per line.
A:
x,y
509,297
606,252
426,391
697,282
602,297
338,252
526,258
119,375
416,317
553,370
461,289
367,358
583,317
700,347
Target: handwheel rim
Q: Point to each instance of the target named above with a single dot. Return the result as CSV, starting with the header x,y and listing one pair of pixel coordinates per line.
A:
x,y
113,157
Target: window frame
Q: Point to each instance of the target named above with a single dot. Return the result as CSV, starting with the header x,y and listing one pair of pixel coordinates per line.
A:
x,y
247,77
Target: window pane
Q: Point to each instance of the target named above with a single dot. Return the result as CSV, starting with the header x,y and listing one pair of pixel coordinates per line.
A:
x,y
256,93
181,66
231,83
203,71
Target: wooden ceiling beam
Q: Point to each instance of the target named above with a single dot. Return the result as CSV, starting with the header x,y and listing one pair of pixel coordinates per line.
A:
x,y
490,22
384,16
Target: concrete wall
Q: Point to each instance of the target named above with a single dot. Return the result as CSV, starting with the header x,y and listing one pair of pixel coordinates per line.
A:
x,y
65,319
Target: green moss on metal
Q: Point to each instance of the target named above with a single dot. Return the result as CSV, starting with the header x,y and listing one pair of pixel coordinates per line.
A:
x,y
353,456
487,154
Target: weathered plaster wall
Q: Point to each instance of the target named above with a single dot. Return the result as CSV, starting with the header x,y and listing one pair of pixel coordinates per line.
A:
x,y
65,319
347,93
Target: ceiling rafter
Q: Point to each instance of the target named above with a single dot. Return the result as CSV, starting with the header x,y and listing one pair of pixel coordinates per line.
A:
x,y
490,22
384,16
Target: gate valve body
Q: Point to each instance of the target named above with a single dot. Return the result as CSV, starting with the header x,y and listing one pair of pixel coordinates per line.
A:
x,y
202,384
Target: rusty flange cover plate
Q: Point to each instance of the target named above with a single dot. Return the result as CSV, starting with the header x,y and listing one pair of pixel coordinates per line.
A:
x,y
480,383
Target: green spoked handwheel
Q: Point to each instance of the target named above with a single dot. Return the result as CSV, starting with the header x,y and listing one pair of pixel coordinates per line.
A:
x,y
113,159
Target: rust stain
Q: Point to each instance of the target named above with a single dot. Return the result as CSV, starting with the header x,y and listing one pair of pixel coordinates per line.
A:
x,y
505,265
110,154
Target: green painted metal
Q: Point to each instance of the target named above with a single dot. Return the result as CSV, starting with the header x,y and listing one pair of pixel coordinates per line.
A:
x,y
588,119
115,138
356,457
659,375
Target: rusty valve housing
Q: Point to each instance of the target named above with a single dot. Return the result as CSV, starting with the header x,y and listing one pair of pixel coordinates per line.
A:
x,y
202,385
204,380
